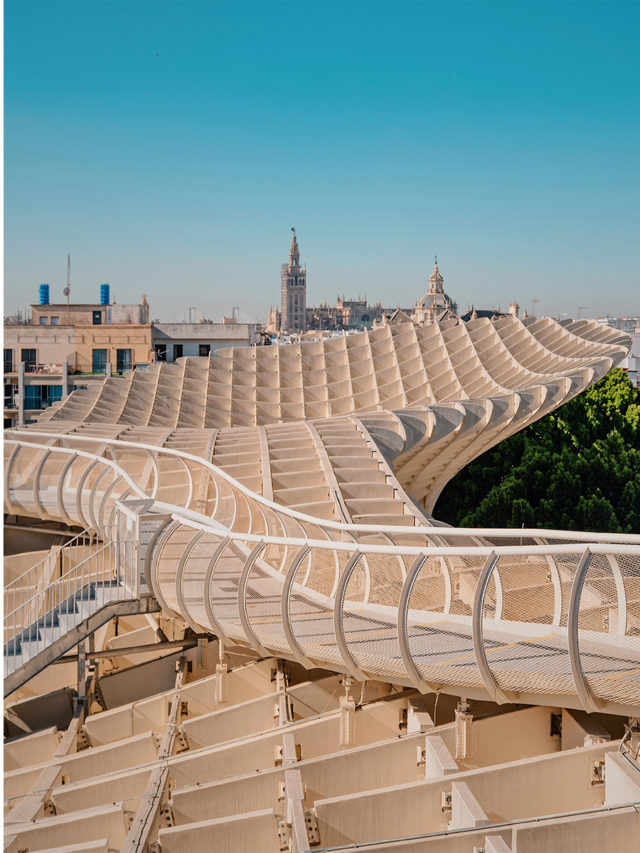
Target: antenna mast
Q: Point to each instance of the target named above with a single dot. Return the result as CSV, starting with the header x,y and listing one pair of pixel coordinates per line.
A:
x,y
67,289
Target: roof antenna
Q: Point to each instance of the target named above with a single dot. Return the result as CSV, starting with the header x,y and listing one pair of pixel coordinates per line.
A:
x,y
67,289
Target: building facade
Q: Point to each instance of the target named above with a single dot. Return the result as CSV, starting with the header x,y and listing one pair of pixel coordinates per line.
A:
x,y
171,341
66,347
293,288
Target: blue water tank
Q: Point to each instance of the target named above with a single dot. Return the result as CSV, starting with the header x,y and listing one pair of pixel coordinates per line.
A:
x,y
104,294
44,294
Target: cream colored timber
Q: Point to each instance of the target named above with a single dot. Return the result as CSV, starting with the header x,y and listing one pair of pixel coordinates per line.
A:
x,y
474,378
243,386
70,768
265,465
113,398
546,361
476,416
329,472
314,381
346,362
362,373
409,508
566,341
505,792
191,412
592,330
396,755
77,406
313,737
290,383
197,442
498,362
267,377
202,697
35,778
65,832
413,373
445,421
238,452
146,818
218,390
442,377
339,387
391,393
499,414
577,336
370,501
136,407
166,400
299,475
528,350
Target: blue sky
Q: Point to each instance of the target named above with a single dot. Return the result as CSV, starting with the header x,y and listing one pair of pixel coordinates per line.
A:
x,y
169,147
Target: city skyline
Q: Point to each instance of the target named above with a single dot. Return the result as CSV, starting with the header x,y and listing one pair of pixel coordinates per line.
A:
x,y
170,151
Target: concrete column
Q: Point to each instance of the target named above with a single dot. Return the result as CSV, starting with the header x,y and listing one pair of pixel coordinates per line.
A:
x,y
108,369
65,379
20,397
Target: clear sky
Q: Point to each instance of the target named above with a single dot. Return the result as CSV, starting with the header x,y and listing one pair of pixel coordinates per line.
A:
x,y
170,146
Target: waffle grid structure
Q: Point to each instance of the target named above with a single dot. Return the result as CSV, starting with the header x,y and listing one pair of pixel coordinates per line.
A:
x,y
276,497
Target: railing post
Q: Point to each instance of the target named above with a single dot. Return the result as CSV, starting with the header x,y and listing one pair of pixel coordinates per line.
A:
x,y
587,699
338,618
285,610
180,579
478,631
242,600
403,631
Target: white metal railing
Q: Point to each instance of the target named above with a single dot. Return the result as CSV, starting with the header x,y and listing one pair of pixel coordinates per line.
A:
x,y
217,475
564,600
543,624
34,620
77,549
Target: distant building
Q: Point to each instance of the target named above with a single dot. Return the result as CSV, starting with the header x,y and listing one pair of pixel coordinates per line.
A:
x,y
435,304
174,340
625,324
632,362
293,290
69,346
349,314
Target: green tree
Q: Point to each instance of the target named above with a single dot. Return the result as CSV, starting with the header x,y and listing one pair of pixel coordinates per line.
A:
x,y
575,469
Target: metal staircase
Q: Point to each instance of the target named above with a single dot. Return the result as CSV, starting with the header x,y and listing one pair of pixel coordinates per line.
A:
x,y
67,601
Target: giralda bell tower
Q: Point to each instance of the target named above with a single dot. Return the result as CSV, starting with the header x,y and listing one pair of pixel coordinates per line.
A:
x,y
293,280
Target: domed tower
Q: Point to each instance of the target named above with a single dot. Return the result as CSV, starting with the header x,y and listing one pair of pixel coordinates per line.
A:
x,y
293,282
435,303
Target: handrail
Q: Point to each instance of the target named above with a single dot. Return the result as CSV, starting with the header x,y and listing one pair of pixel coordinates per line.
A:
x,y
87,532
568,535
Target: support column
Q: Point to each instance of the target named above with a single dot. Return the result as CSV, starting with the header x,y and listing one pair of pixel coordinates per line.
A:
x,y
20,397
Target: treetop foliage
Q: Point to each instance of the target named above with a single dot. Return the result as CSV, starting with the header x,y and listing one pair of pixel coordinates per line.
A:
x,y
575,469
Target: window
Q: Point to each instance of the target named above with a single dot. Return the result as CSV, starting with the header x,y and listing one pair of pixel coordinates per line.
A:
x,y
44,321
41,396
204,349
99,361
8,361
32,396
97,318
161,352
29,358
123,360
177,351
55,321
10,392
